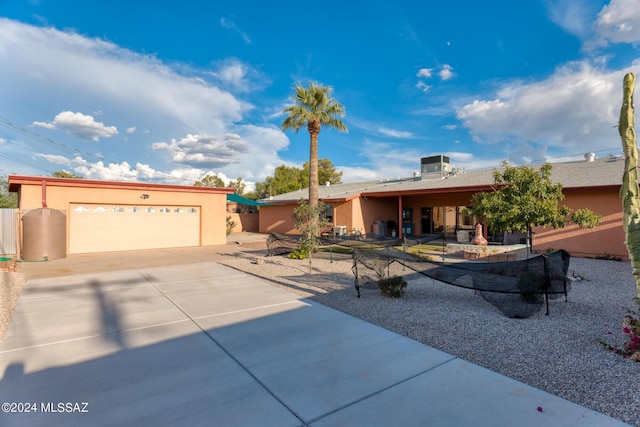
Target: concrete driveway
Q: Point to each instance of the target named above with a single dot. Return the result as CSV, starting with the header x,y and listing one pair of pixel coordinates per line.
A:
x,y
198,343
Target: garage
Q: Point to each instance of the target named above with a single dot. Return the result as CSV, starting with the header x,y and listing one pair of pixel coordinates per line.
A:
x,y
104,228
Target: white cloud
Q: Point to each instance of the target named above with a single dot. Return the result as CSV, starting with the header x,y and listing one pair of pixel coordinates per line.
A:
x,y
619,21
395,133
572,111
55,159
425,72
423,86
205,150
450,127
68,72
446,73
80,125
573,16
44,125
238,76
231,25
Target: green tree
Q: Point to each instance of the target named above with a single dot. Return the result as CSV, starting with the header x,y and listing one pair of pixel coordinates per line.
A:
x,y
66,174
286,179
7,200
313,107
326,173
523,197
239,185
210,181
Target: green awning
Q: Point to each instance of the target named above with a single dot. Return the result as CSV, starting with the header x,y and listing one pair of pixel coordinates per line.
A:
x,y
244,201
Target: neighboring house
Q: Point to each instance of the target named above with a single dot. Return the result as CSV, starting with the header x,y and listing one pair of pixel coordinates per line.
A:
x,y
432,201
103,216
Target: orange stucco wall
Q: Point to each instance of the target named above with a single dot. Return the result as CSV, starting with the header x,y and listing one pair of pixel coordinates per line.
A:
x,y
277,219
212,205
249,222
607,238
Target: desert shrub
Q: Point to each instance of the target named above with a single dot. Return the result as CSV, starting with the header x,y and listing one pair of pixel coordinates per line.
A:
x,y
393,286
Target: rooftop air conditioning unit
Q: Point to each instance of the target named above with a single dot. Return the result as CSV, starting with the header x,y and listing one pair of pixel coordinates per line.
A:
x,y
434,165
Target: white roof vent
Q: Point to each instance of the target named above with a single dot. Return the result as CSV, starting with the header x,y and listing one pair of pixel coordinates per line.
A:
x,y
590,157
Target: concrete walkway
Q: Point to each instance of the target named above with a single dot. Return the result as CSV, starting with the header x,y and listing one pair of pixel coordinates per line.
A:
x,y
203,344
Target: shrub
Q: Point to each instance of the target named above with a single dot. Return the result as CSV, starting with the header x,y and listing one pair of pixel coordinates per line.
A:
x,y
230,225
299,253
393,286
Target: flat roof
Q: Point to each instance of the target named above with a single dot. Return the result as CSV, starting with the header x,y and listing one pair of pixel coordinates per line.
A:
x,y
15,181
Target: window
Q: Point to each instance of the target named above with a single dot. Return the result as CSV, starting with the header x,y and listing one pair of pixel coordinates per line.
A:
x,y
150,210
165,210
134,209
118,209
193,210
81,209
179,210
99,209
328,214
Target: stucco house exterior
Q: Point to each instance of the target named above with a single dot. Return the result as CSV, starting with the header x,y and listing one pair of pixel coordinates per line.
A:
x,y
432,200
103,216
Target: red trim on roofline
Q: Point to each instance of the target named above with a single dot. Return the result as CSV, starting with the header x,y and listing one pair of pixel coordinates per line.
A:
x,y
17,180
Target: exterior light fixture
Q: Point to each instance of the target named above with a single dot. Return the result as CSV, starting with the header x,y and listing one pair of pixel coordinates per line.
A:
x,y
144,196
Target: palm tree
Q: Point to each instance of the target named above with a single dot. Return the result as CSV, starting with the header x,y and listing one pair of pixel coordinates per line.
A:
x,y
314,107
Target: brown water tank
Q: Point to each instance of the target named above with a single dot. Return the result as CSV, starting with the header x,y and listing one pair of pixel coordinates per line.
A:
x,y
44,235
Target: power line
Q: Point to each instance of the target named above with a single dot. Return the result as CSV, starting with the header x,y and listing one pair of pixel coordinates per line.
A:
x,y
70,150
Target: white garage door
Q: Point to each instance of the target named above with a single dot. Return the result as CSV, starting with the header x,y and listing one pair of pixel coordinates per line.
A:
x,y
104,228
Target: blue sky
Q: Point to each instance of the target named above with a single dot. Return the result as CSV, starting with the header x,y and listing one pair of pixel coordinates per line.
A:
x,y
169,92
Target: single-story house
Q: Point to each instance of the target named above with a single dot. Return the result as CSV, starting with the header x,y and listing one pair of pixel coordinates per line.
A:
x,y
432,201
102,216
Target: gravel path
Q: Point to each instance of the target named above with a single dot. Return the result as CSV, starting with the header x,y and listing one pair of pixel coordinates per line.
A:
x,y
559,353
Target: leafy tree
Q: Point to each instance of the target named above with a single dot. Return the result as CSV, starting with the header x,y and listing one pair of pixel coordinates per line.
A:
x,y
239,185
7,200
286,179
210,181
326,173
523,197
313,107
66,174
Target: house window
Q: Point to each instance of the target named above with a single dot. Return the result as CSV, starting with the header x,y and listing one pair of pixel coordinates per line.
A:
x,y
150,210
193,210
118,209
179,210
165,210
81,209
100,209
134,209
328,214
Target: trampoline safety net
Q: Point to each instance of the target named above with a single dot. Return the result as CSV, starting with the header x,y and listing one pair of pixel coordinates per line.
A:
x,y
278,244
517,288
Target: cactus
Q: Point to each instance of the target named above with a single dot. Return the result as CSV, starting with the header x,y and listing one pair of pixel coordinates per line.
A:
x,y
629,192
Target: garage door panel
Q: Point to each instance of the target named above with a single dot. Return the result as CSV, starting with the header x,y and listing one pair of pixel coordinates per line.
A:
x,y
103,228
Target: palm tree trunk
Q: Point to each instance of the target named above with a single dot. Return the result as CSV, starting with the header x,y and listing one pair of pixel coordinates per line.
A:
x,y
314,129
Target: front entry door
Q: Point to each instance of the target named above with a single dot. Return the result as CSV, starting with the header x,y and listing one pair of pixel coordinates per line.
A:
x,y
426,221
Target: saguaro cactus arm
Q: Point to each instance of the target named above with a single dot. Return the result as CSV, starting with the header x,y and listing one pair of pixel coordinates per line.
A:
x,y
629,191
